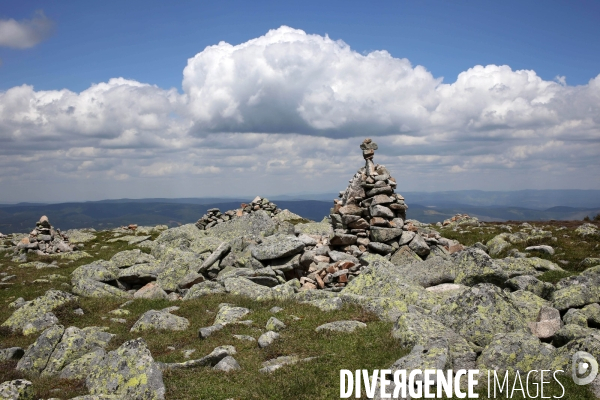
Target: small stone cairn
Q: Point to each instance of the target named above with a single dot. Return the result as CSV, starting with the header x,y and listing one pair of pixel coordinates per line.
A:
x,y
44,240
214,215
368,216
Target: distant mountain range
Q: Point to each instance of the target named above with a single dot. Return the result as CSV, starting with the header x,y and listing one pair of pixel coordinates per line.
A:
x,y
525,205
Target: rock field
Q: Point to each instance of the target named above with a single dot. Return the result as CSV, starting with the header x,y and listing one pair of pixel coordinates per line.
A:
x,y
138,312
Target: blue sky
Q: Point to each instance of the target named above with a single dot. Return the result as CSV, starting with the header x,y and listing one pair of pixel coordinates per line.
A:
x,y
119,99
150,41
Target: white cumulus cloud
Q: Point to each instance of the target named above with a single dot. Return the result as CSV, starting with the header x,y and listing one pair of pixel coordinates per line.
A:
x,y
286,112
26,33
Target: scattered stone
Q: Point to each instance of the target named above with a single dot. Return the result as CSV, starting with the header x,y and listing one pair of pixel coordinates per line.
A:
x,y
273,324
275,310
245,337
544,249
160,320
227,364
267,338
341,326
11,353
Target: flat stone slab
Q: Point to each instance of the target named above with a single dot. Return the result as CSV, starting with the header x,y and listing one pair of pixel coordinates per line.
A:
x,y
341,326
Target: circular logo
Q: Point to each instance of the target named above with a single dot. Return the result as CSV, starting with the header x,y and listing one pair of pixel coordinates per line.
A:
x,y
584,368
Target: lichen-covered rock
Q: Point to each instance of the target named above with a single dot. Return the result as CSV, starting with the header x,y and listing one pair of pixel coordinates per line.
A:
x,y
39,323
563,357
341,326
99,270
515,351
432,356
474,266
574,316
228,314
36,308
589,262
92,288
75,343
515,266
273,324
383,279
386,308
140,273
479,313
245,287
578,291
255,224
497,244
404,256
80,367
160,320
431,272
128,258
18,389
586,229
203,289
277,246
329,304
178,264
414,328
322,228
531,284
276,363
37,355
592,313
128,371
528,304
570,332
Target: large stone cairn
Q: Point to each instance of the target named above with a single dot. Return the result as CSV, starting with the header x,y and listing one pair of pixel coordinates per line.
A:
x,y
214,216
368,216
44,240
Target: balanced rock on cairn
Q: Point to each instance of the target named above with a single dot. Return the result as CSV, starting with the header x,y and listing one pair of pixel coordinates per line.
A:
x,y
369,216
214,215
44,239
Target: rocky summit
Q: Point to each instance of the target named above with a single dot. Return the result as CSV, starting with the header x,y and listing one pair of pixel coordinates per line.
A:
x,y
258,302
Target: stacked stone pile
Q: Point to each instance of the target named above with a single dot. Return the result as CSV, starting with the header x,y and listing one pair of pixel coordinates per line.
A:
x,y
461,220
44,240
214,215
369,216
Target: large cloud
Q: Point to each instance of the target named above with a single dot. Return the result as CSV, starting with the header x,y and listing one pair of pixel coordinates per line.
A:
x,y
26,33
285,111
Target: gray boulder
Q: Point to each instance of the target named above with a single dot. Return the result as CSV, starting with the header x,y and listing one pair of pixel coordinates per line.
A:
x,y
531,284
227,364
277,247
37,355
515,351
267,338
480,312
414,328
129,371
36,309
11,353
160,320
18,389
203,289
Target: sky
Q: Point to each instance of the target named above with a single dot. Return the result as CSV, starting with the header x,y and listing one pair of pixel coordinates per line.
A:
x,y
135,99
